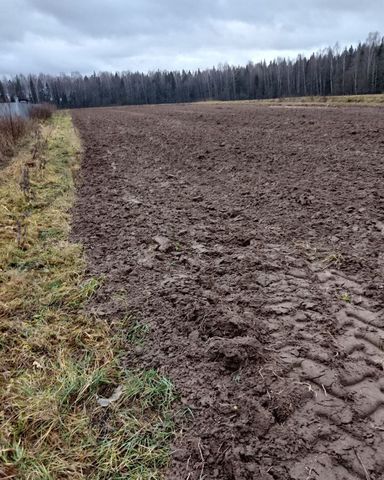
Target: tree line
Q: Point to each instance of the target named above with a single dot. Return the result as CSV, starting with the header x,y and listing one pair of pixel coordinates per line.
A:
x,y
353,70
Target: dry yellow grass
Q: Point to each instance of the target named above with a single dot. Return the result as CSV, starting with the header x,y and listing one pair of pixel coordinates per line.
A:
x,y
331,100
11,131
372,100
55,360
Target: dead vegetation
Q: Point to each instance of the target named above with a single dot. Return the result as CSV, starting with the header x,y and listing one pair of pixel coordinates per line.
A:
x,y
12,129
67,407
374,99
43,111
311,100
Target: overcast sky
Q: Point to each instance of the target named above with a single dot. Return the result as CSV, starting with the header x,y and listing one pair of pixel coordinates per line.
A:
x,y
54,36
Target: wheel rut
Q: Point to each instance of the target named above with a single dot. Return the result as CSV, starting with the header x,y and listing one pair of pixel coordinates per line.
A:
x,y
342,422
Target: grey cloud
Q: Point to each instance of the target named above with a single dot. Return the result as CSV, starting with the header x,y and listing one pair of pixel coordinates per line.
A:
x,y
87,35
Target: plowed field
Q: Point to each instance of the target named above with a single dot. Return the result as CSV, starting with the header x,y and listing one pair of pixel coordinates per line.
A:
x,y
248,241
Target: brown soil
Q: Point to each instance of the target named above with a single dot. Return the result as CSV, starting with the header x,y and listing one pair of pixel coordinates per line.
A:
x,y
250,240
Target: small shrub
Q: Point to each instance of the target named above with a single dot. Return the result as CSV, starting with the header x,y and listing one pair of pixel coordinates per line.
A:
x,y
346,297
11,130
42,112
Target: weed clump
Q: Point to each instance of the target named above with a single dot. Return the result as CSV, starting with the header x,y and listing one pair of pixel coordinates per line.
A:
x,y
43,111
12,129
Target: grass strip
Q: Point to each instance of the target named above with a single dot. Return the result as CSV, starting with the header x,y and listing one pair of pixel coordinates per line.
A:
x,y
376,99
58,364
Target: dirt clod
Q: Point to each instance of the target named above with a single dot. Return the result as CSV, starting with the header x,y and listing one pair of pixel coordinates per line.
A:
x,y
163,243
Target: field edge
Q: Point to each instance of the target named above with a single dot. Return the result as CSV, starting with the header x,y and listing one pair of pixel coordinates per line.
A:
x,y
68,407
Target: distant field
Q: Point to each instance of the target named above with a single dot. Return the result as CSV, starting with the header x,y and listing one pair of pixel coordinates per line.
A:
x,y
339,99
377,99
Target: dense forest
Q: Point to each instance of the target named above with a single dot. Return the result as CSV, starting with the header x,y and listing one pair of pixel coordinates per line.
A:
x,y
354,70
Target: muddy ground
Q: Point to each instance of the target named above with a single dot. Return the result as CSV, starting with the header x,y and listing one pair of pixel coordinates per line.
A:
x,y
250,240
